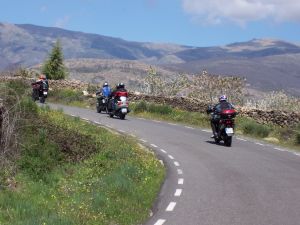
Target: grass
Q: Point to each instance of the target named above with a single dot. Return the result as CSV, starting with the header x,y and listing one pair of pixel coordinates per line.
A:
x,y
68,97
287,137
71,172
165,112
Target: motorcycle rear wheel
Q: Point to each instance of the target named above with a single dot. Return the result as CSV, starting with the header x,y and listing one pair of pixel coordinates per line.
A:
x,y
228,141
42,99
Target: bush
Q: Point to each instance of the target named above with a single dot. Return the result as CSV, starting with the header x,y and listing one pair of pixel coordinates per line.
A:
x,y
39,155
140,107
253,128
297,135
66,95
159,109
18,87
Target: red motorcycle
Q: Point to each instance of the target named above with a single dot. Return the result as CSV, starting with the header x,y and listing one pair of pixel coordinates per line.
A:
x,y
225,128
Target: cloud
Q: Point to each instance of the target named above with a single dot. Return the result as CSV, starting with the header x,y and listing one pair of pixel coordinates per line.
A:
x,y
242,11
62,22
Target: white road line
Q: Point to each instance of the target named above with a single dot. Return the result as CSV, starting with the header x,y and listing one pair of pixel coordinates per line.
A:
x,y
241,139
172,124
171,206
296,153
163,151
279,149
153,145
73,115
122,131
85,119
171,157
179,171
157,121
132,135
97,122
143,140
176,163
160,222
259,144
180,181
109,126
207,131
188,127
178,192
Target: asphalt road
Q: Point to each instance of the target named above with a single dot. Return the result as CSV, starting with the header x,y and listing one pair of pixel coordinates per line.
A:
x,y
250,183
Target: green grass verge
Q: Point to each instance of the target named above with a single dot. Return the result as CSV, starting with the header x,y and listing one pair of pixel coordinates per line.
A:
x,y
69,97
287,137
71,172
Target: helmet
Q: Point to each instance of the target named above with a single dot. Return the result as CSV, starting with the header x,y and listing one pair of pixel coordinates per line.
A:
x,y
121,85
42,77
105,84
223,98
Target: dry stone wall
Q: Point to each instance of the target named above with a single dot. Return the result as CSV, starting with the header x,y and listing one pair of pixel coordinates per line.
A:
x,y
280,118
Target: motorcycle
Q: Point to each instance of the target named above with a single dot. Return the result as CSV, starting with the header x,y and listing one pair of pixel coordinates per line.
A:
x,y
119,107
225,127
102,104
39,91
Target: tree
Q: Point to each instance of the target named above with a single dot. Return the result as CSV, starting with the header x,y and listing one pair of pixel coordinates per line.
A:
x,y
54,67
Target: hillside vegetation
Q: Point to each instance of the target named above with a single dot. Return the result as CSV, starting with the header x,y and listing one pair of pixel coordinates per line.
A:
x,y
267,64
274,118
60,170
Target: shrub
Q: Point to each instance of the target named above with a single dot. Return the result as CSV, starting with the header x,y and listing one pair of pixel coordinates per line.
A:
x,y
140,107
253,128
39,155
159,109
297,135
66,95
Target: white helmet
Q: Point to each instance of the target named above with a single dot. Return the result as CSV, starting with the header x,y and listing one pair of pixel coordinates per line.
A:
x,y
223,98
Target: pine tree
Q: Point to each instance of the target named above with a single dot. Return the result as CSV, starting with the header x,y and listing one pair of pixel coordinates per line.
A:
x,y
54,67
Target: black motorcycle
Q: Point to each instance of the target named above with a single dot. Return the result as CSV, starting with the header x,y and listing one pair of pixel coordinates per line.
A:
x,y
225,125
39,91
102,104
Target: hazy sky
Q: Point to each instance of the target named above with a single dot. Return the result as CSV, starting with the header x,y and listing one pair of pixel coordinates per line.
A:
x,y
187,22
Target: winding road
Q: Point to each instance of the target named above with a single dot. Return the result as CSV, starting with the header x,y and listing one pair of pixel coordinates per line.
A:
x,y
250,183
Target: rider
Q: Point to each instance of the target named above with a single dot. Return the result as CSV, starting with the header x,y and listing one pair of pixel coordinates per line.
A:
x,y
215,113
118,92
105,91
41,83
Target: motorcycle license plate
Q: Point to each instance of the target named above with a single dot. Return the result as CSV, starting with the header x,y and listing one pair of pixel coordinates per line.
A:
x,y
45,92
229,131
124,110
103,100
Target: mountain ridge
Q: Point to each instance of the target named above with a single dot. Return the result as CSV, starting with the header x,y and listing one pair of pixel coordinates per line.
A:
x,y
268,64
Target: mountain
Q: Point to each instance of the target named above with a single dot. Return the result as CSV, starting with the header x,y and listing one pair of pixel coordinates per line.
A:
x,y
17,42
266,64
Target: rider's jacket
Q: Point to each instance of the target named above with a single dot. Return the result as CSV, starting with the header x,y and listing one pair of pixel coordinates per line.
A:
x,y
218,108
106,91
119,93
